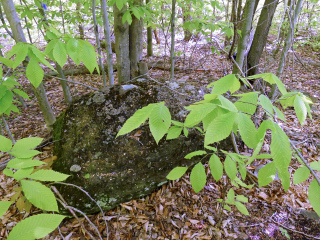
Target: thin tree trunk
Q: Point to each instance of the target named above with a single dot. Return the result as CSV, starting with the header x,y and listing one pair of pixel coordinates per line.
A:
x,y
149,38
287,45
121,32
44,104
135,42
245,34
108,40
186,10
96,32
62,18
65,87
80,21
4,23
156,36
235,19
18,35
172,38
260,36
281,22
14,21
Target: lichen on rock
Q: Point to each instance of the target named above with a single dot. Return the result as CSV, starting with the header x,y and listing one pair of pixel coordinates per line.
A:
x,y
112,170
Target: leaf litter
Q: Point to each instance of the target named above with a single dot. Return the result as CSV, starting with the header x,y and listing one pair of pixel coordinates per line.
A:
x,y
175,211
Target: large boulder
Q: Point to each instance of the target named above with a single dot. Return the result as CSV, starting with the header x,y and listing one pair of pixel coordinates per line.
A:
x,y
112,170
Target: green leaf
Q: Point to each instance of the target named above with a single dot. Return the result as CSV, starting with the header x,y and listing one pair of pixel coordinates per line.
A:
x,y
220,128
8,172
279,114
159,121
300,108
48,175
174,132
17,163
229,82
138,118
34,72
6,98
119,4
127,18
285,179
176,123
266,124
231,195
195,153
9,82
266,76
280,151
315,166
210,116
60,53
22,173
267,174
287,99
88,56
24,153
49,48
73,50
266,105
198,177
27,143
230,167
242,198
35,227
4,205
198,114
12,108
21,93
185,132
226,207
6,144
280,85
176,173
136,12
242,208
7,62
21,51
300,175
211,148
247,130
216,167
242,170
226,104
314,196
39,195
39,57
263,156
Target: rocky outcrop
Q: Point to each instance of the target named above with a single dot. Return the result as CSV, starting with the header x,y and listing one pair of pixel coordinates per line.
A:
x,y
112,170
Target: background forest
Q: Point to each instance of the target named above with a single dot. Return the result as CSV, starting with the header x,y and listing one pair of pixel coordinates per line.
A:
x,y
259,60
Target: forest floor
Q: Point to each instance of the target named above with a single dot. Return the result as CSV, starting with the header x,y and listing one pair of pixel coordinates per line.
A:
x,y
175,211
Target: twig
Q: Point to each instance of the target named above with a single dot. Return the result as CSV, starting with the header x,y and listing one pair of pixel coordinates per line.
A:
x,y
290,229
96,89
65,205
86,217
105,221
234,142
235,63
305,162
8,129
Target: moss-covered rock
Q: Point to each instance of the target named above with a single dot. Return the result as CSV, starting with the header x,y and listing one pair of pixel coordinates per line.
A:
x,y
112,170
